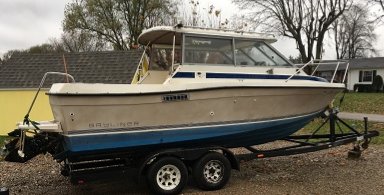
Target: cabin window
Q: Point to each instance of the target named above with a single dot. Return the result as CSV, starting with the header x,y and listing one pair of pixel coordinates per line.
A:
x,y
257,53
203,50
161,58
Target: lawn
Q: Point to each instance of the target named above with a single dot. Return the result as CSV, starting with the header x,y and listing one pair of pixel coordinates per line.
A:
x,y
369,103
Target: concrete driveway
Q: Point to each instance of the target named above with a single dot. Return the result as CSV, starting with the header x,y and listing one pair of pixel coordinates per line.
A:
x,y
360,116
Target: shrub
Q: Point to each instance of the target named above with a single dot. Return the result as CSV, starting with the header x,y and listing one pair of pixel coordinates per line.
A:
x,y
377,84
362,87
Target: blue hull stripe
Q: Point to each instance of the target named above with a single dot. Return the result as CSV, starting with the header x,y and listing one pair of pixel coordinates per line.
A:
x,y
248,76
244,134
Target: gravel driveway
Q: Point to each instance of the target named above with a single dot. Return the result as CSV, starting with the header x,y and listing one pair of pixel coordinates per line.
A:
x,y
324,172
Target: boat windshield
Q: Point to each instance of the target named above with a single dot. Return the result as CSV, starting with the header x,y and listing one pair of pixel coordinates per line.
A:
x,y
161,57
221,51
257,53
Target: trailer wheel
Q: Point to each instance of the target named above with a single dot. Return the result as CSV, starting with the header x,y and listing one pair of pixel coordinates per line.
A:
x,y
168,175
212,171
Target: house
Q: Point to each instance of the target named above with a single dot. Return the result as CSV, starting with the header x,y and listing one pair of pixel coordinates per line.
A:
x,y
361,71
21,75
326,70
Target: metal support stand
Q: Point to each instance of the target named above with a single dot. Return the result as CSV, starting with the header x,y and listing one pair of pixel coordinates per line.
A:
x,y
315,142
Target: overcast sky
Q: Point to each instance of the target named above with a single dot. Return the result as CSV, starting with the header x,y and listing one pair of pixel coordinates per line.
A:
x,y
25,23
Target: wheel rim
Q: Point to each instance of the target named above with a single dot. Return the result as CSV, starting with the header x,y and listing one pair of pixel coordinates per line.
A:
x,y
213,171
168,177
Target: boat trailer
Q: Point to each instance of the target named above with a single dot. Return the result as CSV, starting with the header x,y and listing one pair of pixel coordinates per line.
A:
x,y
81,171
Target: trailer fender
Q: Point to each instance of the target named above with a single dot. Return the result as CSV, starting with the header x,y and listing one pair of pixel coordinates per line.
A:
x,y
232,159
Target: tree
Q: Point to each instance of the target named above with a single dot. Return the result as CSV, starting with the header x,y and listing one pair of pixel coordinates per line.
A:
x,y
50,47
354,34
295,60
381,4
9,54
306,21
116,22
79,41
193,14
46,48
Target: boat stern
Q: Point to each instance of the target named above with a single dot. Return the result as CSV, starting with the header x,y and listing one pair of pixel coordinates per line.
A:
x,y
31,138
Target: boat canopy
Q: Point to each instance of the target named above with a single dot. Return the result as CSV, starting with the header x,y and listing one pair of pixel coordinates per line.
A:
x,y
164,34
172,46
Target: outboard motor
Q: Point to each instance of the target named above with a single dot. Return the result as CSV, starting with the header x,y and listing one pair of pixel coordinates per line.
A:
x,y
16,151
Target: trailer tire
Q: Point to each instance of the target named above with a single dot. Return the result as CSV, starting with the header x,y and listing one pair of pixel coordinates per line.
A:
x,y
168,175
212,171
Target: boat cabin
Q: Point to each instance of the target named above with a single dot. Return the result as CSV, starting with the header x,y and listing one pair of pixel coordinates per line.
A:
x,y
170,49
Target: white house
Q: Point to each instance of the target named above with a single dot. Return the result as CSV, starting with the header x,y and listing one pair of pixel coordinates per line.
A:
x,y
361,71
364,70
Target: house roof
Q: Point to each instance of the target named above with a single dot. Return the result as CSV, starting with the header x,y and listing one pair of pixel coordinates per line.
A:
x,y
367,63
26,70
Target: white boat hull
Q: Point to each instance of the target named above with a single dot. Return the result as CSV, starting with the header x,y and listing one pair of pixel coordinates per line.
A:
x,y
81,114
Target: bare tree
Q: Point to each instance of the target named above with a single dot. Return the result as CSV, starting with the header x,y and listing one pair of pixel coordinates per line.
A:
x,y
118,22
354,34
7,55
306,21
80,41
194,14
381,4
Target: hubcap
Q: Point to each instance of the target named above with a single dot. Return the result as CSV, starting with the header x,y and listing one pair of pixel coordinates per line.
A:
x,y
213,171
168,177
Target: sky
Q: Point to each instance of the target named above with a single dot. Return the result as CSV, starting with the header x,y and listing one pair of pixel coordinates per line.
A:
x,y
25,23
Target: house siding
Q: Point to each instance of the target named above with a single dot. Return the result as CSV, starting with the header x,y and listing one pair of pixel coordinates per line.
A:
x,y
14,105
353,77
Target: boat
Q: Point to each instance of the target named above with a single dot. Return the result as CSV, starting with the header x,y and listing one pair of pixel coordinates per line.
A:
x,y
193,87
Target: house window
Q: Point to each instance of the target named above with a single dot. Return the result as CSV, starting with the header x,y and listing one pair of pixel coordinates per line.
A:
x,y
366,75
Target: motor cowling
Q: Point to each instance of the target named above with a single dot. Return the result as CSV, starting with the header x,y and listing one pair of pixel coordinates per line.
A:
x,y
39,143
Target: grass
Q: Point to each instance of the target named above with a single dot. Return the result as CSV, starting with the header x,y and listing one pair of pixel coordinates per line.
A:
x,y
2,140
358,125
369,103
